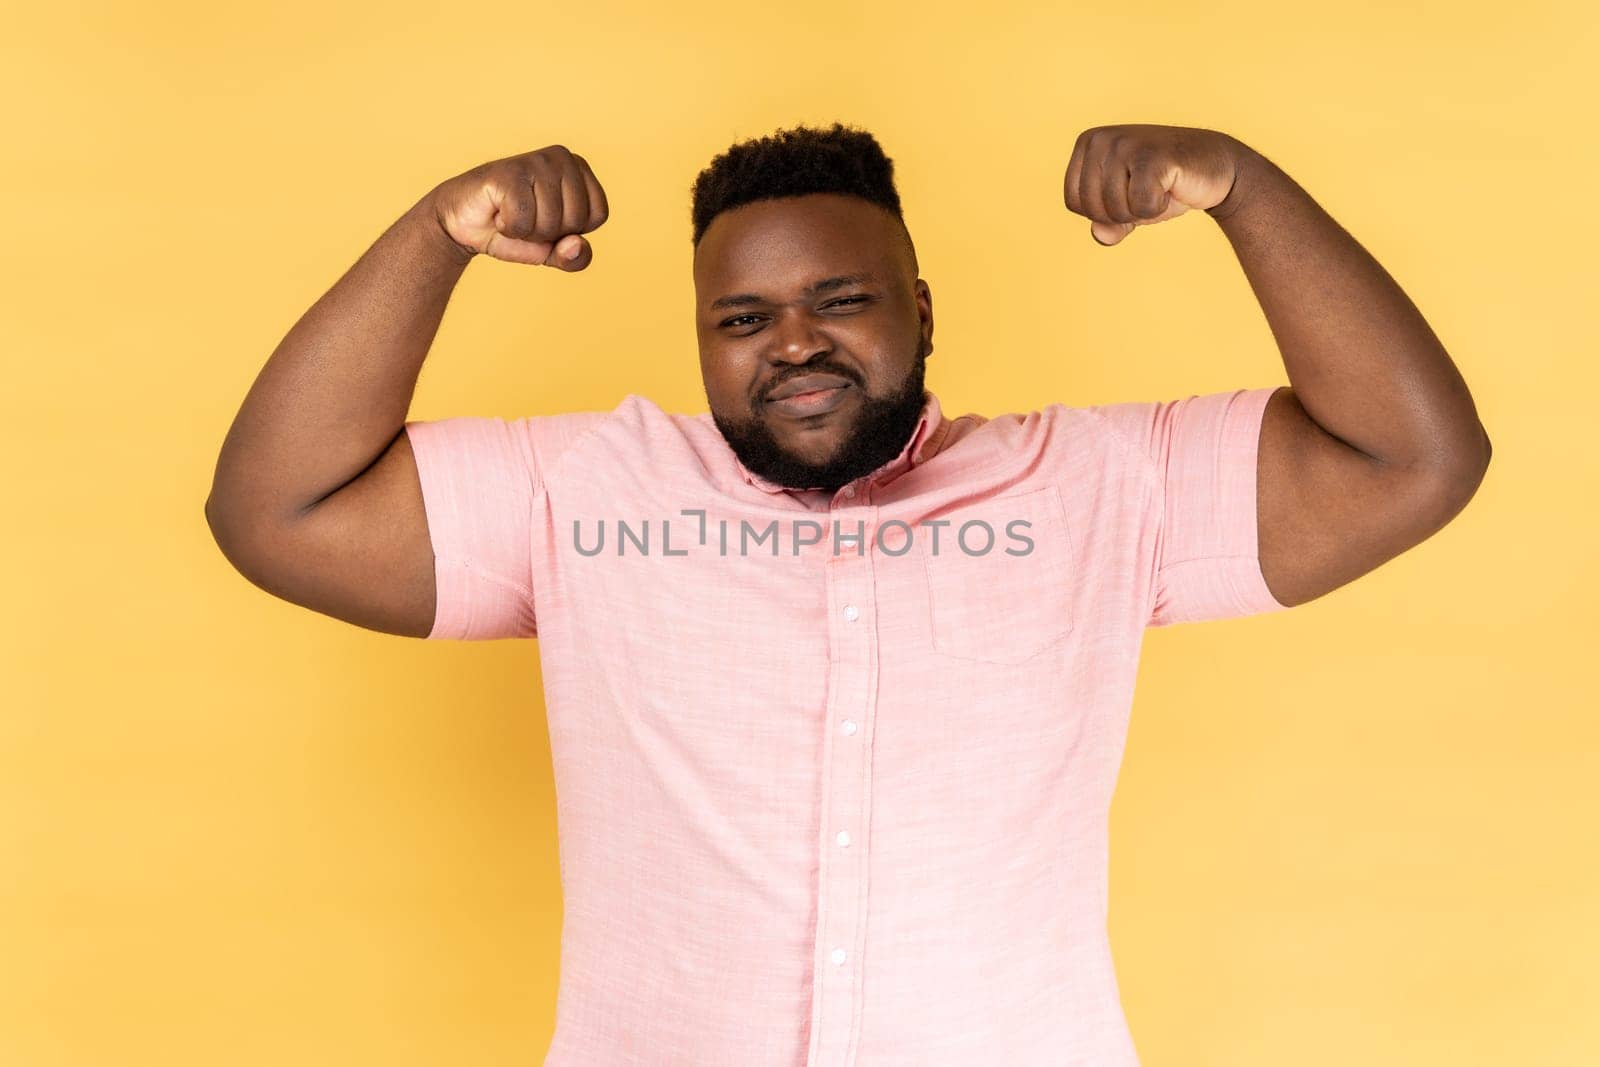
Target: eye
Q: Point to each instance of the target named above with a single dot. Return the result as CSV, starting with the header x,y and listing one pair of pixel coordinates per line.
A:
x,y
832,303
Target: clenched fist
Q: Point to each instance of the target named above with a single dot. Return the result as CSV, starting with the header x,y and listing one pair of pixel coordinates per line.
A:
x,y
1125,176
530,208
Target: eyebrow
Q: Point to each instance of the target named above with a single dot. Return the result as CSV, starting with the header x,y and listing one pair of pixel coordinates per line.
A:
x,y
826,285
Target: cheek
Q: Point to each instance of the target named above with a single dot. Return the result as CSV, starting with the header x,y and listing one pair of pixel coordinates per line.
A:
x,y
729,388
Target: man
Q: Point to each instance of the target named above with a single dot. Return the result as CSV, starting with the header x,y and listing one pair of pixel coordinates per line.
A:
x,y
838,686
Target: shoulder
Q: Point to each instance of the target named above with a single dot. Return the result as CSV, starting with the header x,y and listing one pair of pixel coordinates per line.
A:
x,y
1056,430
638,433
648,423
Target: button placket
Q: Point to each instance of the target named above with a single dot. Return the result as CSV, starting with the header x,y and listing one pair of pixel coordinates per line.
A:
x,y
843,840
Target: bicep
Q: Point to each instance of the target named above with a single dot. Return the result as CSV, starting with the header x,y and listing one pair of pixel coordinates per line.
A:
x,y
363,553
1328,513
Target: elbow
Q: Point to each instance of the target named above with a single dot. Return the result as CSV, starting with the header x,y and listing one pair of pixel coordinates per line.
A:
x,y
1479,464
233,530
222,525
247,548
1464,470
211,515
224,529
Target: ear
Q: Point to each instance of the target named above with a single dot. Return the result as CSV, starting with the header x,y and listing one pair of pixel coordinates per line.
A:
x,y
924,299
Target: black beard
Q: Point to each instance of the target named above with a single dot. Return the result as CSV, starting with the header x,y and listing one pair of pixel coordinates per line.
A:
x,y
883,427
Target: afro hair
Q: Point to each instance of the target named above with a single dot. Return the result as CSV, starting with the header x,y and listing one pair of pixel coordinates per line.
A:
x,y
796,162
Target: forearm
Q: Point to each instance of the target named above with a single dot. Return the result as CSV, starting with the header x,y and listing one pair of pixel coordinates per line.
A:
x,y
1363,362
335,392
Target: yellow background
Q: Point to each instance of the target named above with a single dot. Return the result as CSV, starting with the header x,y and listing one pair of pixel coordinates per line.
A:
x,y
233,831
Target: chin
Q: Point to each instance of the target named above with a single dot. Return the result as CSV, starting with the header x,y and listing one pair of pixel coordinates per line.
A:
x,y
823,435
813,451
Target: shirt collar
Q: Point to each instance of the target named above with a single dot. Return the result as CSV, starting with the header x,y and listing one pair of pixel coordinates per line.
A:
x,y
922,446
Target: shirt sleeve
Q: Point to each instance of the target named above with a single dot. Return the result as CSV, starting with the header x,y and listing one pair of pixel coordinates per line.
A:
x,y
1203,453
483,481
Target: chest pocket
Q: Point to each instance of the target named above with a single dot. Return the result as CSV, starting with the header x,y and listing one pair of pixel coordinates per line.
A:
x,y
1011,602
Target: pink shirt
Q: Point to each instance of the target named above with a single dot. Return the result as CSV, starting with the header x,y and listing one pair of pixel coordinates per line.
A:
x,y
837,795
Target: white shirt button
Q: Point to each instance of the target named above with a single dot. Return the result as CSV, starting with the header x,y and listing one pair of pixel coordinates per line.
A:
x,y
843,838
848,726
852,612
838,955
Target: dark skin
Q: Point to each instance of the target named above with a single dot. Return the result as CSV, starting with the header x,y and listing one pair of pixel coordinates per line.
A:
x,y
874,331
1395,449
1376,444
1373,447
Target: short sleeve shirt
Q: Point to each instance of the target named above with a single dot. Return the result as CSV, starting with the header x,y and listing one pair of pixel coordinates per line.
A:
x,y
833,769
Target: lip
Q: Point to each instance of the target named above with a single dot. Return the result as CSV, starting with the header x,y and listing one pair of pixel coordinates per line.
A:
x,y
811,402
807,383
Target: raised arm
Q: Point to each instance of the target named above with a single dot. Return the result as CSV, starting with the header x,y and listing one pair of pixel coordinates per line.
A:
x,y
1375,444
316,497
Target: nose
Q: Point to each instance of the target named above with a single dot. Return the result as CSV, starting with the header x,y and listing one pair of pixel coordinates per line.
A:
x,y
795,337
